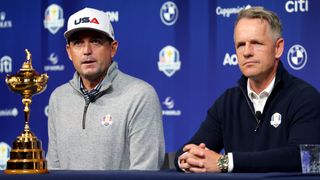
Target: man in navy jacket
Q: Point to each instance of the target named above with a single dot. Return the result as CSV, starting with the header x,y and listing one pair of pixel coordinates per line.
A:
x,y
260,123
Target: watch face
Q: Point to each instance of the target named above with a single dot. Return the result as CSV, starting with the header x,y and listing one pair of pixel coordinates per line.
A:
x,y
222,163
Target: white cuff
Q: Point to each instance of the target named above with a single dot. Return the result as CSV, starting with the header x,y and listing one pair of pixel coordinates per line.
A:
x,y
230,164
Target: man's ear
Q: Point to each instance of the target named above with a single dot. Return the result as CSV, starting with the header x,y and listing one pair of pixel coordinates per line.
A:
x,y
114,48
68,51
279,48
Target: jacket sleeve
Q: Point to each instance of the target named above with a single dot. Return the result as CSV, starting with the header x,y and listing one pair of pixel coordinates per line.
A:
x,y
210,133
145,132
52,155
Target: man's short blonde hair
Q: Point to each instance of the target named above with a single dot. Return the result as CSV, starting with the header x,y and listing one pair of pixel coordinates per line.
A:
x,y
261,13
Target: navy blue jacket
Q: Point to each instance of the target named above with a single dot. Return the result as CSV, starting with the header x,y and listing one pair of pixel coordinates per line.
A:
x,y
260,147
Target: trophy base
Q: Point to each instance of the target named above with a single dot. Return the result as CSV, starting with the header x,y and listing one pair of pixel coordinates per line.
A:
x,y
26,171
26,156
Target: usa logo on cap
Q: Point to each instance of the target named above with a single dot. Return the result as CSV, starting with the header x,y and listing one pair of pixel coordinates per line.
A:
x,y
89,19
86,20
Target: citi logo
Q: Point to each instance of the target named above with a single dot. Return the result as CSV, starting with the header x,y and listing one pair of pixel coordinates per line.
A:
x,y
297,6
86,20
5,64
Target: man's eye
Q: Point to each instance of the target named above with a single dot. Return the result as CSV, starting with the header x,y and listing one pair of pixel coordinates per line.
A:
x,y
257,43
96,41
76,43
240,45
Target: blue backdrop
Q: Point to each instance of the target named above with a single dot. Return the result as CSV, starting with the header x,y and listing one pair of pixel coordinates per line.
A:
x,y
184,48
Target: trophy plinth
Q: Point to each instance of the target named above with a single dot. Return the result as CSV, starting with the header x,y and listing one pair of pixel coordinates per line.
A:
x,y
27,156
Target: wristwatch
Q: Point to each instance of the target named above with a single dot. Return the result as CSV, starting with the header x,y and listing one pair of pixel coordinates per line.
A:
x,y
223,163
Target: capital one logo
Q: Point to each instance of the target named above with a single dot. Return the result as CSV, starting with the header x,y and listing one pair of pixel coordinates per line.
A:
x,y
297,6
5,64
297,57
86,20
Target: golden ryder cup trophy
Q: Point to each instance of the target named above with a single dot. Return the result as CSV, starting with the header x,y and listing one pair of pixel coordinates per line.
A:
x,y
27,156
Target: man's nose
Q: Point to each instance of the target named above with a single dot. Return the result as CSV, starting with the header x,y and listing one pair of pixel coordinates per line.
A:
x,y
248,51
87,49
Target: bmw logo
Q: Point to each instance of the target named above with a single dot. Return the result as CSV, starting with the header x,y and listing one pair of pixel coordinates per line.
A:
x,y
297,57
169,13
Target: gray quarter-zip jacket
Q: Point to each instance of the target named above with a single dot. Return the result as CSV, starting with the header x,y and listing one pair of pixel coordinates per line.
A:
x,y
120,129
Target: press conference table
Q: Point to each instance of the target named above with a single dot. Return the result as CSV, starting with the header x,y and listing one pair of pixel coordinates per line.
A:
x,y
155,175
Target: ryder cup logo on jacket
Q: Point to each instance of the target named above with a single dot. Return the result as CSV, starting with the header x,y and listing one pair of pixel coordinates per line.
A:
x,y
53,18
169,60
275,120
107,120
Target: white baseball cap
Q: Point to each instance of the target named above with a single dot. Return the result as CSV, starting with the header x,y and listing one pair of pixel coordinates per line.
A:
x,y
89,19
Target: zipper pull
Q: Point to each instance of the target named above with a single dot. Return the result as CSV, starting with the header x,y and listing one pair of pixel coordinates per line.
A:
x,y
257,126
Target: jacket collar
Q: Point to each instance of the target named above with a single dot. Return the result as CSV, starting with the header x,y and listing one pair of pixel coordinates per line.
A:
x,y
106,82
281,75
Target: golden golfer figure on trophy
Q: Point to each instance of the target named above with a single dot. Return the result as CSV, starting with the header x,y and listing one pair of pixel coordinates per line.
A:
x,y
27,156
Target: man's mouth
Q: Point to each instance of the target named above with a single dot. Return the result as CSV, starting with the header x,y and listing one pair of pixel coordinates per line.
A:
x,y
88,62
251,62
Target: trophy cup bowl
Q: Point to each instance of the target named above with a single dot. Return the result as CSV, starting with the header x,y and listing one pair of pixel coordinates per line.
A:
x,y
27,156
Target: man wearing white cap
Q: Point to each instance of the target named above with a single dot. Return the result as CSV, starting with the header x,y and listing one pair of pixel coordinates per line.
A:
x,y
102,119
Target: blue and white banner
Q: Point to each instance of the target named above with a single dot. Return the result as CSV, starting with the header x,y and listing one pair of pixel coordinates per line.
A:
x,y
184,48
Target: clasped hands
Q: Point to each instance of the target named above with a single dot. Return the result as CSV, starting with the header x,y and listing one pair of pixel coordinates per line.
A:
x,y
198,158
